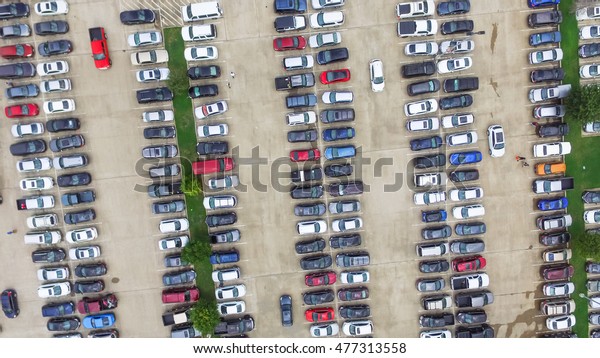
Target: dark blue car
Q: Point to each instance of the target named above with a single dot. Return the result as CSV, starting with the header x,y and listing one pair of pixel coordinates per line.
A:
x,y
542,38
58,309
426,143
290,6
332,134
433,216
453,7
538,3
553,204
224,257
465,157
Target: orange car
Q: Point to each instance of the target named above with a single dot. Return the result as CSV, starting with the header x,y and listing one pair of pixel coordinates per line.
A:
x,y
550,168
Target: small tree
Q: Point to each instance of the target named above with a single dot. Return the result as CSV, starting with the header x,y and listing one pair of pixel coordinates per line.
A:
x,y
196,252
190,185
178,82
205,317
590,244
583,104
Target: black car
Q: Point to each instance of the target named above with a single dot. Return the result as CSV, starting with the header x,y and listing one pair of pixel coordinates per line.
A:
x,y
200,72
337,115
345,241
316,262
334,55
10,305
28,147
48,255
356,311
461,84
203,91
464,100
90,270
307,192
134,17
349,188
426,143
13,10
556,129
418,88
430,161
464,175
65,124
210,148
555,238
338,170
433,216
58,47
549,74
481,331
318,297
454,7
306,175
310,246
457,26
591,197
315,209
160,190
436,320
159,132
285,304
75,179
152,95
426,68
473,228
88,286
434,266
436,232
23,91
63,324
544,18
589,50
228,218
51,28
353,294
309,135
70,142
17,70
471,317
77,217
178,277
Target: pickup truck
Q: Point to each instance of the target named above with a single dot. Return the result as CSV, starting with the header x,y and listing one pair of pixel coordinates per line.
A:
x,y
35,202
295,81
81,197
547,93
307,100
235,326
415,9
464,282
99,48
178,316
556,307
436,302
552,185
417,28
306,175
289,23
430,179
352,259
94,305
474,299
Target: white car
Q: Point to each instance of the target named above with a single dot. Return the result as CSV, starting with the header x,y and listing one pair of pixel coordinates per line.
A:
x,y
197,33
551,149
585,13
468,211
496,140
231,307
173,242
457,46
298,62
52,68
420,107
320,4
466,194
591,216
423,124
326,19
594,302
56,7
301,118
558,288
83,234
173,225
39,183
377,77
461,138
544,94
144,38
454,65
42,221
201,53
436,333
53,273
84,252
219,202
333,97
429,198
55,86
161,115
324,329
155,74
228,274
228,181
213,130
550,111
48,237
357,328
34,165
210,109
558,323
589,32
23,129
59,106
355,277
233,291
325,39
557,255
457,120
545,56
589,71
592,127
348,224
57,289
423,48
311,227
149,57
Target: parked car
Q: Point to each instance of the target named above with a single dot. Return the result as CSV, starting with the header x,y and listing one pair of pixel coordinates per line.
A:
x,y
464,100
334,55
558,272
426,143
543,38
547,75
418,88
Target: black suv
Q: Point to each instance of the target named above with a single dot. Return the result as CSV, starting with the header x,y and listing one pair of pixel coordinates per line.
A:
x,y
154,95
418,88
338,170
426,68
200,72
461,84
548,74
337,115
208,148
544,18
464,100
28,147
430,161
160,190
159,132
556,129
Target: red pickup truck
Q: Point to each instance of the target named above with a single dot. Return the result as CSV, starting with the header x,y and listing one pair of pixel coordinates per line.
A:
x,y
99,48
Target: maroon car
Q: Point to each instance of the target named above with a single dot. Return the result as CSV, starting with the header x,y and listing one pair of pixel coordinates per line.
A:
x,y
353,294
557,272
320,278
93,305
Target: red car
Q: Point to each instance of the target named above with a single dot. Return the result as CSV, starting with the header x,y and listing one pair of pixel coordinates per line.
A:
x,y
557,272
16,51
334,76
321,314
180,295
210,166
304,155
289,43
89,305
320,278
99,48
22,110
468,263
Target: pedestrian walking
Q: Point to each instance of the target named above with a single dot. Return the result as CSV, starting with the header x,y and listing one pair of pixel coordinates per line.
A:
x,y
535,124
521,158
228,84
232,74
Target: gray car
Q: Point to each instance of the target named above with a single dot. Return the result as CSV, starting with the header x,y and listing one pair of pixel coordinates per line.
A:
x,y
474,228
430,284
178,278
347,206
344,241
285,304
467,246
436,232
16,30
314,209
159,151
225,236
307,247
24,91
70,142
170,170
164,207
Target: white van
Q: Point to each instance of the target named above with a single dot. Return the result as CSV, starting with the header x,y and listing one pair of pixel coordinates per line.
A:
x,y
298,63
199,32
43,238
201,11
436,249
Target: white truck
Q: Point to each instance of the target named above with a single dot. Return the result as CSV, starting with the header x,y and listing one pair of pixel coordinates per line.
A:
x,y
465,282
430,179
35,202
437,302
407,10
552,185
417,28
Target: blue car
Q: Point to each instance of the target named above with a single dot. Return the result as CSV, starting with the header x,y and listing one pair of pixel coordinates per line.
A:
x,y
331,134
58,309
553,204
96,321
224,257
434,216
538,3
425,143
542,38
346,151
465,157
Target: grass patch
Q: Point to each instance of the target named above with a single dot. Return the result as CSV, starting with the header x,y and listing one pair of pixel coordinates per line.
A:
x,y
186,139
